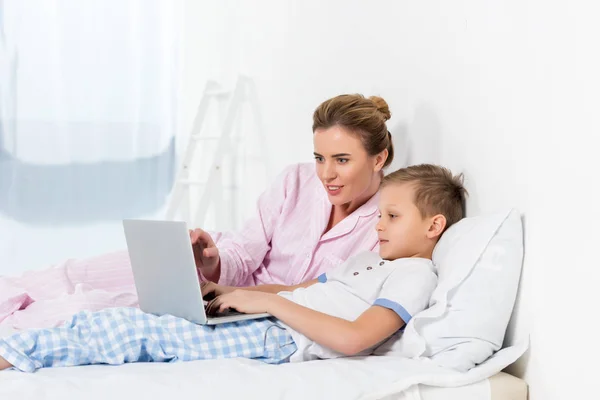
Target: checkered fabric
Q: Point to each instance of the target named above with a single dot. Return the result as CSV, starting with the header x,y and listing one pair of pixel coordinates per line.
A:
x,y
124,335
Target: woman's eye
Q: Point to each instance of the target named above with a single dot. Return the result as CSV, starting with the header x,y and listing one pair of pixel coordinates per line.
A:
x,y
379,216
392,216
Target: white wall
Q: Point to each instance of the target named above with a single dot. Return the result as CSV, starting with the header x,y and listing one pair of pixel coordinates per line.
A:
x,y
506,91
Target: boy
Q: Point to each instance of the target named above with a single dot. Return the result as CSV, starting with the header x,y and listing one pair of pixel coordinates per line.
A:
x,y
346,312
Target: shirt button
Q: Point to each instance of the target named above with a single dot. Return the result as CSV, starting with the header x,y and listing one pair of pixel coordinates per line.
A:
x,y
369,268
356,273
381,263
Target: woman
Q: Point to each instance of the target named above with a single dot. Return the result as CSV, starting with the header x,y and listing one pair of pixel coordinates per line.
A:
x,y
312,218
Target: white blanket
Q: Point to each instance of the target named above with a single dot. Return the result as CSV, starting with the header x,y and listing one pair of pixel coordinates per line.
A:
x,y
350,378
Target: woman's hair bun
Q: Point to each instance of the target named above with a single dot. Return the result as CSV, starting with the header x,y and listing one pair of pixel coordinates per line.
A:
x,y
382,106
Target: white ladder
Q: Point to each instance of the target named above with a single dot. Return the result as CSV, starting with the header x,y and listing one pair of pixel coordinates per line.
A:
x,y
212,188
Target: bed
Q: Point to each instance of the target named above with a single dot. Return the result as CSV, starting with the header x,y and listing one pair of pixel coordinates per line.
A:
x,y
386,378
469,255
232,379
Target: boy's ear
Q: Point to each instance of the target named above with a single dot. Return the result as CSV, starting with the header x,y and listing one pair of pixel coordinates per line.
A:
x,y
438,223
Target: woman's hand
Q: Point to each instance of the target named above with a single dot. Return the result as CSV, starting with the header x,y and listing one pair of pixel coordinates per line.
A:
x,y
245,301
210,290
206,254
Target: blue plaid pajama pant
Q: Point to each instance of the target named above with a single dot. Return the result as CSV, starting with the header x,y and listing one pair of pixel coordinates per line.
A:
x,y
124,335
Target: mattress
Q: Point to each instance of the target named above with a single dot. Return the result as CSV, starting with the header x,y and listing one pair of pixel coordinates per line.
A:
x,y
349,378
501,386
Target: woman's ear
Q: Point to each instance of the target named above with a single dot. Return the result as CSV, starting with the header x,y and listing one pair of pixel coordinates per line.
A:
x,y
380,160
437,226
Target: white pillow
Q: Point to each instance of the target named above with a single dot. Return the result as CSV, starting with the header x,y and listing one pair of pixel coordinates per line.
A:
x,y
479,264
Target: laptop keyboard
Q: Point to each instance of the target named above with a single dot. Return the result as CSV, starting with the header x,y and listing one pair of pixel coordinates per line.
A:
x,y
227,313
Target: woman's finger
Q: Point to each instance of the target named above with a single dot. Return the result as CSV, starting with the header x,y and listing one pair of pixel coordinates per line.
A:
x,y
210,252
209,307
206,288
205,237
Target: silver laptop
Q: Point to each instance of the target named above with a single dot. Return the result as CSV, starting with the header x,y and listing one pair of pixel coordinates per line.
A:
x,y
165,273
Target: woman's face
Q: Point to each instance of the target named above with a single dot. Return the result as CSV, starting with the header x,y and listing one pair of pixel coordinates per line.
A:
x,y
344,167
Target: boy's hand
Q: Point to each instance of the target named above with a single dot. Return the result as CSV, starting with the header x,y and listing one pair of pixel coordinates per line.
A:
x,y
210,290
244,301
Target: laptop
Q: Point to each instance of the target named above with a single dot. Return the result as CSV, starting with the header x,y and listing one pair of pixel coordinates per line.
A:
x,y
165,273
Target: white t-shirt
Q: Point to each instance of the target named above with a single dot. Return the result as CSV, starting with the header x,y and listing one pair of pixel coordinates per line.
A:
x,y
403,285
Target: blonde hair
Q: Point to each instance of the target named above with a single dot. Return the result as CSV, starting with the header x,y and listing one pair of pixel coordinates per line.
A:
x,y
361,116
437,191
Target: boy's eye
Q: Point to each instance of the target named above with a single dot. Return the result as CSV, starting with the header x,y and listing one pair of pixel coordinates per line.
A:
x,y
342,160
319,159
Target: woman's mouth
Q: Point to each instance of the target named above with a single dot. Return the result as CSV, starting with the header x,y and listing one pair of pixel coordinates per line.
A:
x,y
333,190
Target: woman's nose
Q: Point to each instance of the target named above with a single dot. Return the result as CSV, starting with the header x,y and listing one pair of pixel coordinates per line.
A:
x,y
329,171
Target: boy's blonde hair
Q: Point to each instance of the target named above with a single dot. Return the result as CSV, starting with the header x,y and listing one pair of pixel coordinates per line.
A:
x,y
437,191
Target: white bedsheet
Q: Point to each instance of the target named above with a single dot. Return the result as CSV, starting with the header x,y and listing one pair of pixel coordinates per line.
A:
x,y
351,378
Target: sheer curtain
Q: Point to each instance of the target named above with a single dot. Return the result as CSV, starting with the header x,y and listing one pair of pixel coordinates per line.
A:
x,y
88,116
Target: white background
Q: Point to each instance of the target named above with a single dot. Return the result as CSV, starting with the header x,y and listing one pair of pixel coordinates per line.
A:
x,y
505,91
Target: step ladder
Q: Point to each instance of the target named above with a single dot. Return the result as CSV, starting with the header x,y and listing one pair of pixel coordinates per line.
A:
x,y
229,153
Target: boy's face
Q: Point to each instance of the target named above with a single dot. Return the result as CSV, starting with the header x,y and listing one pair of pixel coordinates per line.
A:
x,y
402,231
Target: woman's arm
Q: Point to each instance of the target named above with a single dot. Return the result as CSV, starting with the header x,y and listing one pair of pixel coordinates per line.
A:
x,y
241,253
280,288
218,290
347,337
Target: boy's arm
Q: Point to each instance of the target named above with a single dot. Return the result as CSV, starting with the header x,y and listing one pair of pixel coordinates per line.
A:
x,y
347,337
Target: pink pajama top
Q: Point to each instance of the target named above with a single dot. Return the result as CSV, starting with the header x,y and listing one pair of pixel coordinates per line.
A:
x,y
284,242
